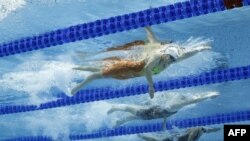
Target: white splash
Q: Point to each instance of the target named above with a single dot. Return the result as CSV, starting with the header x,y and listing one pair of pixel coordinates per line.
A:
x,y
38,77
9,6
59,122
96,116
196,42
55,123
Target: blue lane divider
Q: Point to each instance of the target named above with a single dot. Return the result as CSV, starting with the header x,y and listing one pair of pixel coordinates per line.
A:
x,y
215,119
220,118
31,138
97,94
163,14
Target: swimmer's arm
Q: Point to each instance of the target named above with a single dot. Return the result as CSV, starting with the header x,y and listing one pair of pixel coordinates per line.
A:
x,y
127,46
150,35
82,54
125,120
188,52
192,100
193,132
147,138
150,82
164,125
153,60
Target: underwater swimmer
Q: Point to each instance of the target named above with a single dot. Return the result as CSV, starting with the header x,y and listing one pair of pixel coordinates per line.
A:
x,y
152,138
156,57
158,111
192,134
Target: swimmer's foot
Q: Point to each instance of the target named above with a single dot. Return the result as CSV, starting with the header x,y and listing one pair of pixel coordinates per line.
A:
x,y
206,47
111,110
68,92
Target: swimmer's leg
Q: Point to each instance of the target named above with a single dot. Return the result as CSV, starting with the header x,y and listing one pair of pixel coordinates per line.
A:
x,y
92,69
90,78
124,107
147,138
127,119
127,46
83,55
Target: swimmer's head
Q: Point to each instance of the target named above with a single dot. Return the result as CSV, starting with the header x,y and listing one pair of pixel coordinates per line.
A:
x,y
167,42
174,50
164,61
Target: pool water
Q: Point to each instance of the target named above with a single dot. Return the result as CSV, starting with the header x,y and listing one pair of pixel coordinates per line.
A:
x,y
40,76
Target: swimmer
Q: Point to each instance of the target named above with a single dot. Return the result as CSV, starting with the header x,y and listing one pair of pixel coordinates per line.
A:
x,y
158,111
152,138
192,134
156,57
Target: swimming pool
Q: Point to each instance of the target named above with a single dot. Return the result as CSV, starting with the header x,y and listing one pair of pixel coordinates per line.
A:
x,y
41,76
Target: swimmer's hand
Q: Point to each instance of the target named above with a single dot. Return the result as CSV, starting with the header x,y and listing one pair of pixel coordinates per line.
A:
x,y
188,52
207,47
151,92
192,51
75,90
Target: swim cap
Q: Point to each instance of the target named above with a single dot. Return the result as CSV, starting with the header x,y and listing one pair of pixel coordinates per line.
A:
x,y
156,70
173,51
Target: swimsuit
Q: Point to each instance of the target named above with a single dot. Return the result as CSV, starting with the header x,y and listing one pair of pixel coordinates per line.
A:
x,y
153,112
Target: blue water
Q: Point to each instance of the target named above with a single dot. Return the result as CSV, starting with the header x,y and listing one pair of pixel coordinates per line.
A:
x,y
38,76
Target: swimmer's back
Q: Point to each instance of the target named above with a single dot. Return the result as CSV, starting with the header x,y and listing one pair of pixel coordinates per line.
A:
x,y
124,69
153,112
